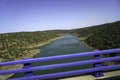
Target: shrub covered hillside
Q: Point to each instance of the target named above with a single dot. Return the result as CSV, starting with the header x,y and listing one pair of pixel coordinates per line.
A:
x,y
19,45
106,36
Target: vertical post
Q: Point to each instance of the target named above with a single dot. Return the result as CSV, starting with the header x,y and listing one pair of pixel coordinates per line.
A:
x,y
27,65
96,65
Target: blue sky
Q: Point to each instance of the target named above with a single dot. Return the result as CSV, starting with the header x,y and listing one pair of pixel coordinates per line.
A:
x,y
38,15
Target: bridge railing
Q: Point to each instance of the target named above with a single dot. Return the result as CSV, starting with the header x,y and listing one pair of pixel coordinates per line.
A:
x,y
97,66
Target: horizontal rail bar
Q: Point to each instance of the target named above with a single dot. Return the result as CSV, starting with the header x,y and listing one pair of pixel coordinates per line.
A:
x,y
60,57
69,73
53,66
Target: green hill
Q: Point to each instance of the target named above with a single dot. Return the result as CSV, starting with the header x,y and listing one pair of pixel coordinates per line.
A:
x,y
21,44
105,36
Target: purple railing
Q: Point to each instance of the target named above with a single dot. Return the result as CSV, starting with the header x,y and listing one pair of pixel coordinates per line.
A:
x,y
97,66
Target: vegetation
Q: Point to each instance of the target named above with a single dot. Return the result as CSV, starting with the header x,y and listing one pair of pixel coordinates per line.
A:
x,y
14,46
106,36
19,45
24,44
101,37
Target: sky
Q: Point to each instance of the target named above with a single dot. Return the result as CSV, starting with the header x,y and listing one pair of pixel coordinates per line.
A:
x,y
39,15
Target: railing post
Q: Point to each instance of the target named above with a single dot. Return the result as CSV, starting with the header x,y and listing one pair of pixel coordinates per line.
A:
x,y
96,65
27,65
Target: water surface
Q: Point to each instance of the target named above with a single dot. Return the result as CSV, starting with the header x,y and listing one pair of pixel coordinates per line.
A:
x,y
67,44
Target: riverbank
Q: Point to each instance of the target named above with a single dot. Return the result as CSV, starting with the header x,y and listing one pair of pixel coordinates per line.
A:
x,y
43,43
82,39
4,77
34,51
106,75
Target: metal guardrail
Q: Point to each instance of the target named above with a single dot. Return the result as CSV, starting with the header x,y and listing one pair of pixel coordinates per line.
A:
x,y
97,66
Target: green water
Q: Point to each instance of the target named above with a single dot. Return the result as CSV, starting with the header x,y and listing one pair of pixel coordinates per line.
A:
x,y
68,44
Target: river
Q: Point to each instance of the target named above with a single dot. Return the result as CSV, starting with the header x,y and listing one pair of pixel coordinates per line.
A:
x,y
67,44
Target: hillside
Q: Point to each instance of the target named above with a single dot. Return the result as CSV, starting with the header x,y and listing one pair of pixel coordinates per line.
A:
x,y
105,36
101,37
23,44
